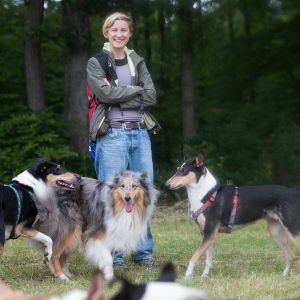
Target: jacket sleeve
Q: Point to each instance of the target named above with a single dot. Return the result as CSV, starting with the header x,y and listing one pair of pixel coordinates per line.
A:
x,y
148,94
109,94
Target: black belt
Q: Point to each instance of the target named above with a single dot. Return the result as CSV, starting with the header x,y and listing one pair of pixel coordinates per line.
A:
x,y
127,125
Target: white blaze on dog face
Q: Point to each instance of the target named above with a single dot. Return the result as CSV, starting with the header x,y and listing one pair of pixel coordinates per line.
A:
x,y
128,194
187,174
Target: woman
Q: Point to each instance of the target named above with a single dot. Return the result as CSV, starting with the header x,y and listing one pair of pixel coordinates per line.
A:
x,y
123,89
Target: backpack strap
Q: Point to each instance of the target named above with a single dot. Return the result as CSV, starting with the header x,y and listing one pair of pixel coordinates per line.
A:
x,y
103,59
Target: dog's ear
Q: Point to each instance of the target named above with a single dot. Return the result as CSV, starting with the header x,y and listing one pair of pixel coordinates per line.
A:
x,y
200,159
167,274
144,180
129,290
116,181
97,287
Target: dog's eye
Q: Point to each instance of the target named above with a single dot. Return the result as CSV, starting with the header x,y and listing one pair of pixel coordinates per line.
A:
x,y
134,186
122,186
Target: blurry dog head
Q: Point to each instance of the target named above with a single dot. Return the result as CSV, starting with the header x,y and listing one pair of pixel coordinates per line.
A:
x,y
164,288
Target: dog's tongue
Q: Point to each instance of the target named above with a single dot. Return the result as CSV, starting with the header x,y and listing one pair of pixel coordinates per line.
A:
x,y
128,206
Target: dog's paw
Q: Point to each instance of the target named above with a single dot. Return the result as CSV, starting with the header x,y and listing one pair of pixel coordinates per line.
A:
x,y
47,257
287,271
189,270
63,277
108,274
187,276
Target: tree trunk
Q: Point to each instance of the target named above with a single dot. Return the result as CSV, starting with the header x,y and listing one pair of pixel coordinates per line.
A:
x,y
187,96
77,37
186,70
32,53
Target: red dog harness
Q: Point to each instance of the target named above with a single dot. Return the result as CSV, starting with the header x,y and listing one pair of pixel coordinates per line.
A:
x,y
210,201
206,205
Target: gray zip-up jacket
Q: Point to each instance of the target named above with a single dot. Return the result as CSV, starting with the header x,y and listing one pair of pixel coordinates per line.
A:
x,y
140,93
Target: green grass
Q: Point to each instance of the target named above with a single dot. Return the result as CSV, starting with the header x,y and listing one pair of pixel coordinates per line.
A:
x,y
247,263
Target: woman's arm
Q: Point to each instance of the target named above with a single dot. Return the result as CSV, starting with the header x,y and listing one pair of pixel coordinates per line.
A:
x,y
148,95
106,93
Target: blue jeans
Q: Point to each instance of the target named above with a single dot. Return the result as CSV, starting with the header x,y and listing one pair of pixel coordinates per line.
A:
x,y
126,149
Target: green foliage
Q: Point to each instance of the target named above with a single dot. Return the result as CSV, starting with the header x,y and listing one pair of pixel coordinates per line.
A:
x,y
246,73
28,136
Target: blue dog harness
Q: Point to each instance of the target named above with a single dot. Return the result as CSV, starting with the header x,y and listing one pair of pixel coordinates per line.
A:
x,y
18,199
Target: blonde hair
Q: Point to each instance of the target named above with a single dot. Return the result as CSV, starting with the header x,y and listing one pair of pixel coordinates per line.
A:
x,y
110,20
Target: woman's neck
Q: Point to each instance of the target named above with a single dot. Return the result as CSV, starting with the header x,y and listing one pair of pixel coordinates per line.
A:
x,y
118,53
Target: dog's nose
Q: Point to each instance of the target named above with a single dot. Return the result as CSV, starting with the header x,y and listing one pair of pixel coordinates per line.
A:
x,y
127,198
167,185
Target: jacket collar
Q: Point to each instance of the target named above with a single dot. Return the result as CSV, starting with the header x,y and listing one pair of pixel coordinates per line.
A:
x,y
128,53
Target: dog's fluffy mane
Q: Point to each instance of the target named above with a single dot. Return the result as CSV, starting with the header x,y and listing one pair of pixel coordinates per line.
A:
x,y
98,204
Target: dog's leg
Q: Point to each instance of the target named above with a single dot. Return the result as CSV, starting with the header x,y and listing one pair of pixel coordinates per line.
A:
x,y
279,235
63,261
39,237
208,261
206,243
55,265
97,254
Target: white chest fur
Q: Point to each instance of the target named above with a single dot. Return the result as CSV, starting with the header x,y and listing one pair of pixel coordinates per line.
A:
x,y
196,192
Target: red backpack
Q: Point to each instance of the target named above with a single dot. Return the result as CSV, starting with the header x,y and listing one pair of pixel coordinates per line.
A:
x,y
92,103
110,73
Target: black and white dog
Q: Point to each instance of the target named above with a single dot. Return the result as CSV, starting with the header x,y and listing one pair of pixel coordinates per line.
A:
x,y
164,287
217,208
19,201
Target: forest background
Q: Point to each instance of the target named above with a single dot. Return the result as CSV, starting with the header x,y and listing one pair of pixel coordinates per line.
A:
x,y
227,74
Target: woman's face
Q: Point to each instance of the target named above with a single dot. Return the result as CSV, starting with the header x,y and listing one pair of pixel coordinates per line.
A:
x,y
118,35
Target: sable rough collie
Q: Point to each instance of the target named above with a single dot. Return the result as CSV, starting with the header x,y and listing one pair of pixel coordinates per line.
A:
x,y
18,201
218,208
107,216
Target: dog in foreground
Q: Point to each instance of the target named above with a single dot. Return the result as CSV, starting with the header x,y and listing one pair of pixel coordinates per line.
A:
x,y
164,288
106,216
219,208
18,202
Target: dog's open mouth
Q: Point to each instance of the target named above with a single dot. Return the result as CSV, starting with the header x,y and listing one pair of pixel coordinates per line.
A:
x,y
65,184
128,206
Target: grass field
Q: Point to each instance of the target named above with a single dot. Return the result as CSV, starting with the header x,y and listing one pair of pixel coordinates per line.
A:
x,y
247,263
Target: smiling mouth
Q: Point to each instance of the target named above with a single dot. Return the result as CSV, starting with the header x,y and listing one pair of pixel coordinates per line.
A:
x,y
128,206
176,187
65,184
